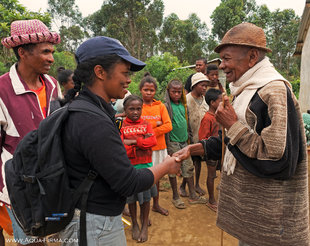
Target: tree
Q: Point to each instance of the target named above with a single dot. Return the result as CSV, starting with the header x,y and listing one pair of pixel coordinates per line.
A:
x,y
163,67
67,16
62,59
228,14
186,39
133,22
283,30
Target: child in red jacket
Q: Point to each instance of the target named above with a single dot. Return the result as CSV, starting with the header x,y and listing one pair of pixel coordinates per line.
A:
x,y
210,127
139,138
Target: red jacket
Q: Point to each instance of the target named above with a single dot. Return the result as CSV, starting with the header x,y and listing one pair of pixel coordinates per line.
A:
x,y
208,126
141,152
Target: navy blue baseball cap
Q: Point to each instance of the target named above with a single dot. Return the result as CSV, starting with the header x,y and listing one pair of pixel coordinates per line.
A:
x,y
101,46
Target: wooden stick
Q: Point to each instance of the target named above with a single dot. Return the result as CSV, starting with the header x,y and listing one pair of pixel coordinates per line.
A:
x,y
222,159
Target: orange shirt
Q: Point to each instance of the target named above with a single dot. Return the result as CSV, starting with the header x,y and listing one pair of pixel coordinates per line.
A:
x,y
157,112
5,222
41,93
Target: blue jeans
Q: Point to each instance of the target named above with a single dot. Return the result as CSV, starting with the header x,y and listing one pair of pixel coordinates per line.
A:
x,y
19,235
100,230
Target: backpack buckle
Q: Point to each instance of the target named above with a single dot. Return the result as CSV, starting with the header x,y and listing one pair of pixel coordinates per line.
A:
x,y
92,174
29,179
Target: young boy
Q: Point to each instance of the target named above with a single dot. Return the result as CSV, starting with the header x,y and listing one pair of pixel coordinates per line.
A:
x,y
210,127
197,107
177,139
213,76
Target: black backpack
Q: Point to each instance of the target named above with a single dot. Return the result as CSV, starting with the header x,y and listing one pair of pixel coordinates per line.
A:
x,y
42,201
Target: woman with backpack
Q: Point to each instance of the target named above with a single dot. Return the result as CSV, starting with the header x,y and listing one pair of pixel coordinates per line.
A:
x,y
92,142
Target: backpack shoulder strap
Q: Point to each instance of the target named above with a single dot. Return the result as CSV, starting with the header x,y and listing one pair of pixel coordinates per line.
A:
x,y
79,105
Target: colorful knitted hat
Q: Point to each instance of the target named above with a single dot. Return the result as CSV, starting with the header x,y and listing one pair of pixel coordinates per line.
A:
x,y
245,34
29,31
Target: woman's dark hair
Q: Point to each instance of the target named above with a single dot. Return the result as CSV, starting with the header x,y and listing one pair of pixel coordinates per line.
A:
x,y
28,47
148,79
212,95
174,82
63,75
84,73
131,98
211,67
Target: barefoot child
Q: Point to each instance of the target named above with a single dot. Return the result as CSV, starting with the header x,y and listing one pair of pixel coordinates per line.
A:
x,y
156,113
177,139
139,138
197,107
210,127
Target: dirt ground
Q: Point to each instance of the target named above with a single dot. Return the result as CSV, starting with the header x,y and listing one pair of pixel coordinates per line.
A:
x,y
193,226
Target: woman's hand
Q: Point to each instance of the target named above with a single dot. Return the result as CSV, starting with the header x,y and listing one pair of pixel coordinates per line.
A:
x,y
174,164
183,154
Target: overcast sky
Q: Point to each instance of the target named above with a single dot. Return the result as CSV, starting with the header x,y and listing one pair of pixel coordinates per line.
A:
x,y
183,8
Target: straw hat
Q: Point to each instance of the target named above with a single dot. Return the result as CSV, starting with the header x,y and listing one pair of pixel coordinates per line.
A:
x,y
29,31
246,34
197,78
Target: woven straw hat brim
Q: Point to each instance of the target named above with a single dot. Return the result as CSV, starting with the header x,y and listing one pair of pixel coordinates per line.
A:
x,y
34,38
219,47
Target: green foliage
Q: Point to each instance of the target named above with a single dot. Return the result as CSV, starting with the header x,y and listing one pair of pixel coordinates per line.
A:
x,y
163,68
71,30
11,10
282,33
3,68
134,23
296,87
62,59
306,119
185,39
228,14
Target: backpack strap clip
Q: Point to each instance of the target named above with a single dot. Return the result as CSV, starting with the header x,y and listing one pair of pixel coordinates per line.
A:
x,y
29,179
92,175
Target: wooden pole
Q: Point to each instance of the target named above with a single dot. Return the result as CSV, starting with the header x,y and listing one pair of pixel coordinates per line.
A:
x,y
222,159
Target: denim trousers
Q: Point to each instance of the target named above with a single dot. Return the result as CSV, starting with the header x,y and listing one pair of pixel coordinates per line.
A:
x,y
100,230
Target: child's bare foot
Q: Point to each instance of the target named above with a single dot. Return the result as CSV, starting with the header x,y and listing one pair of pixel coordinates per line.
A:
x,y
135,232
143,235
160,210
200,191
183,192
149,223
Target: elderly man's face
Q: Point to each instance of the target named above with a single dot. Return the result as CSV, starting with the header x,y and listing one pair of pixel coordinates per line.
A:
x,y
235,61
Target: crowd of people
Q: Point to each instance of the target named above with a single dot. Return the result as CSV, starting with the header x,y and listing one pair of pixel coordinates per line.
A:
x,y
263,192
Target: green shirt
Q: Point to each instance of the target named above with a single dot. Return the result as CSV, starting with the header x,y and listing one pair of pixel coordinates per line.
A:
x,y
179,124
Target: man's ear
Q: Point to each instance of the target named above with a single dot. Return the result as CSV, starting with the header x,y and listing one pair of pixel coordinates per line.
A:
x,y
99,72
254,55
21,52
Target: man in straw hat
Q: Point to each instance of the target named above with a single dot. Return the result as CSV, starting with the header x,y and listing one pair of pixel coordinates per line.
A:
x,y
264,197
25,94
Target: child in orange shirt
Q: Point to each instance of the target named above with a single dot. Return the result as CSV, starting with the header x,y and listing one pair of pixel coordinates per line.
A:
x,y
156,113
